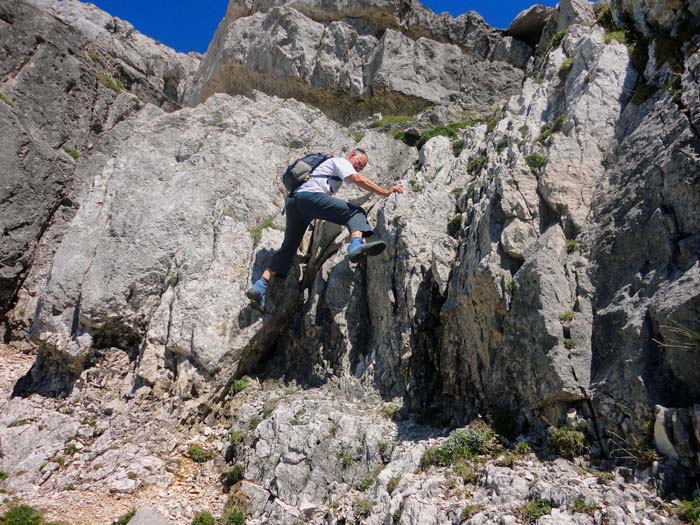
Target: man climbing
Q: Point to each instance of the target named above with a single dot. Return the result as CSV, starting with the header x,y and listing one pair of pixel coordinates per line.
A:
x,y
314,200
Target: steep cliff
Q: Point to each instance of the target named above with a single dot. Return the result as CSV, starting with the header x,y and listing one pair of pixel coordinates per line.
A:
x,y
542,277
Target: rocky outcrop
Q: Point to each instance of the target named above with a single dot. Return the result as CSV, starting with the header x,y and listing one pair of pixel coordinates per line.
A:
x,y
542,273
64,74
338,62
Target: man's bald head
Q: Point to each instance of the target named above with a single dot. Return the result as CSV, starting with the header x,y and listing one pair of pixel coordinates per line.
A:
x,y
358,158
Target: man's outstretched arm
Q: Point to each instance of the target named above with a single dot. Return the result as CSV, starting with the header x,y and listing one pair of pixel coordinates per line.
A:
x,y
367,185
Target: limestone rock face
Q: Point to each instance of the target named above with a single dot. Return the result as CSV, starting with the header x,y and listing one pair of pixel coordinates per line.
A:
x,y
325,55
529,24
541,268
62,74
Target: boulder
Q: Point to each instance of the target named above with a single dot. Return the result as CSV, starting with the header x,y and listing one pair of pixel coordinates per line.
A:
x,y
529,24
148,516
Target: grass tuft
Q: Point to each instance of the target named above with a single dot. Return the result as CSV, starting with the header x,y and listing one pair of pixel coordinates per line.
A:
x,y
534,510
124,519
391,120
239,385
75,154
115,85
689,511
567,442
234,475
203,518
199,454
565,69
256,231
476,440
476,164
536,161
6,100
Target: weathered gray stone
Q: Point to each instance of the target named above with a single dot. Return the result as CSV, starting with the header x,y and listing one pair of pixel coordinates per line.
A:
x,y
295,53
575,12
663,432
147,516
528,25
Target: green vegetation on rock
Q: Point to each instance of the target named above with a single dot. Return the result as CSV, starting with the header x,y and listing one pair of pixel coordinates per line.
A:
x,y
72,152
689,511
124,518
391,120
203,518
536,161
115,85
6,100
533,510
199,454
567,442
476,440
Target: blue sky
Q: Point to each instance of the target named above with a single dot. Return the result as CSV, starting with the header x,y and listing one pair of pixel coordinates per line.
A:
x,y
188,25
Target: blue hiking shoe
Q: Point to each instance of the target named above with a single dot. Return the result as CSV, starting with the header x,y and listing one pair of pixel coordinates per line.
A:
x,y
256,294
360,249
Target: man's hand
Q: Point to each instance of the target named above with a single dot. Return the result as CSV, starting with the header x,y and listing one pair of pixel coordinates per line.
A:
x,y
394,189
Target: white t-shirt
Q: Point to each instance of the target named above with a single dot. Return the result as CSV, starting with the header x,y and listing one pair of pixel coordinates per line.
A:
x,y
321,181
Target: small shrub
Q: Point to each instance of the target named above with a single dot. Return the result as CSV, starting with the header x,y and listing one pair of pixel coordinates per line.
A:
x,y
357,137
203,518
557,39
253,424
605,18
239,385
582,507
476,164
534,510
236,437
512,287
115,85
233,516
477,439
689,511
363,507
389,411
71,449
392,484
454,226
568,443
60,460
6,100
234,475
3,475
619,36
466,471
124,518
391,120
570,344
399,135
469,511
199,454
92,55
571,246
23,515
445,130
567,316
522,448
603,476
536,161
502,144
75,154
457,192
565,69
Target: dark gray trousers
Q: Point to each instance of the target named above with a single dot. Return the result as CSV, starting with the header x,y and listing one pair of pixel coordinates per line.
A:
x,y
302,208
